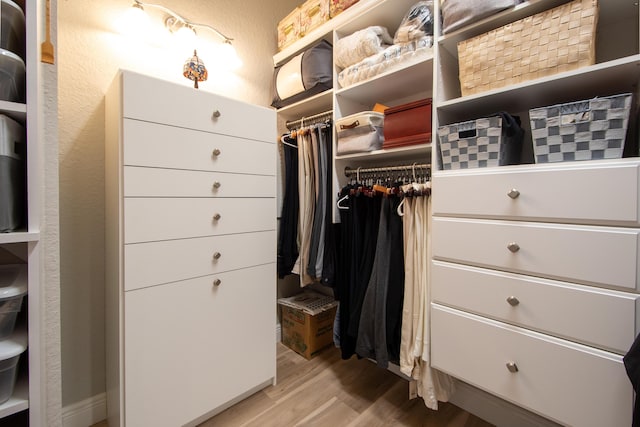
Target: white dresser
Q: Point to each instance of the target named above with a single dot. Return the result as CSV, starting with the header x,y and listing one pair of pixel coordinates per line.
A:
x,y
535,277
190,232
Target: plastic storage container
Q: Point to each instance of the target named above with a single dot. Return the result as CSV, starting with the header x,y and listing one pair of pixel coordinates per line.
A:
x,y
12,28
10,351
13,288
12,77
13,192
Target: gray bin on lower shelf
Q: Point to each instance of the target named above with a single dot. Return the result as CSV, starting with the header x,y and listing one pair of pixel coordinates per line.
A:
x,y
13,181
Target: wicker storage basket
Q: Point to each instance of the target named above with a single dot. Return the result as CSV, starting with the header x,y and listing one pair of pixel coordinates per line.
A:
x,y
583,130
550,42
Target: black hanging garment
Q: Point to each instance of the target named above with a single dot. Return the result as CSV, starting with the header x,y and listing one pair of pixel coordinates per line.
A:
x,y
288,234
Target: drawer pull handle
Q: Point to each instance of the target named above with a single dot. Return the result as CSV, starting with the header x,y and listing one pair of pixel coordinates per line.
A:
x,y
216,114
216,152
513,193
513,301
217,282
513,247
216,185
217,217
217,255
512,367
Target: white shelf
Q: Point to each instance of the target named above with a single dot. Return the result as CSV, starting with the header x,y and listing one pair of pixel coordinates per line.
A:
x,y
618,76
323,31
411,78
19,401
19,237
391,154
312,105
15,110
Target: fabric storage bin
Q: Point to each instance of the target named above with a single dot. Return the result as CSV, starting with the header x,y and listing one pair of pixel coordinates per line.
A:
x,y
408,124
289,29
313,13
584,130
338,6
13,288
13,194
12,28
458,13
360,132
550,42
304,75
485,142
10,351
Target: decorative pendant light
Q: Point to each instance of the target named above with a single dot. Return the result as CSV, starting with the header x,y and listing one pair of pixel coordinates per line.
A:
x,y
195,70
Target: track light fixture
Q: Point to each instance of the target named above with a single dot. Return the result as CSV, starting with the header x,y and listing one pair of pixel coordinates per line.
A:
x,y
174,21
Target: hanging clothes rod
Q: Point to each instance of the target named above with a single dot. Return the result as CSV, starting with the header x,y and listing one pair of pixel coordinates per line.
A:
x,y
310,120
350,172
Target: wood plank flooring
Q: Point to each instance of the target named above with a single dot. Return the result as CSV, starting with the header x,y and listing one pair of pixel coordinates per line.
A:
x,y
329,391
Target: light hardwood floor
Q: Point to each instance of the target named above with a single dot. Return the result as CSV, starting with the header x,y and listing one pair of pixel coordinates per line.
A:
x,y
329,391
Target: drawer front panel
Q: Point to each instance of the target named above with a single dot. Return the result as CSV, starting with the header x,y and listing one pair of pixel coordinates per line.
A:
x,y
162,146
569,383
153,219
599,317
584,194
194,324
592,255
154,263
159,101
154,182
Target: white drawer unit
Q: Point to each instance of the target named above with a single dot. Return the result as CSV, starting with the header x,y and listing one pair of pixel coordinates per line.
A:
x,y
535,272
572,384
165,146
190,252
595,255
576,193
600,317
208,322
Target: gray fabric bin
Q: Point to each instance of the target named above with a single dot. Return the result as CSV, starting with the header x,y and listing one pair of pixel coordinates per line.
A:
x,y
13,194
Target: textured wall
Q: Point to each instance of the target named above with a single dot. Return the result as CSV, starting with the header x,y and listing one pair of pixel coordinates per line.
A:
x,y
90,52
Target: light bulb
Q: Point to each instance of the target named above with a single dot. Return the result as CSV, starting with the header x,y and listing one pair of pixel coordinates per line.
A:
x,y
134,22
185,37
229,57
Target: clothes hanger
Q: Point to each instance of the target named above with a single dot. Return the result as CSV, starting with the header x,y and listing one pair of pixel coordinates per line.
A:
x,y
286,143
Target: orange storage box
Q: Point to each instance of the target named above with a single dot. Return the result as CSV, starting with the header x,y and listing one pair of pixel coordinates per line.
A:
x,y
407,124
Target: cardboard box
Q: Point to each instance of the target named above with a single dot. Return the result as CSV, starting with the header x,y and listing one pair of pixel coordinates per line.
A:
x,y
307,322
313,13
408,124
289,29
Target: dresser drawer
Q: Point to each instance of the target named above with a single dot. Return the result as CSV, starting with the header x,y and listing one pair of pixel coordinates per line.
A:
x,y
178,326
153,219
592,316
154,263
165,102
593,255
593,193
569,383
156,182
157,145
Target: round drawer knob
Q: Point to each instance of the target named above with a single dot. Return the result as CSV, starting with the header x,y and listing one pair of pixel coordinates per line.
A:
x,y
216,114
216,185
513,301
217,255
217,282
513,247
216,152
217,217
513,193
512,367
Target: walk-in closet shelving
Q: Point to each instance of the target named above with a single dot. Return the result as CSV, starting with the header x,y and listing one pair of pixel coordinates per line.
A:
x,y
24,243
481,225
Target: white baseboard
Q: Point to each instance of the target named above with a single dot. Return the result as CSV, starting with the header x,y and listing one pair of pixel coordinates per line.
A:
x,y
494,410
85,413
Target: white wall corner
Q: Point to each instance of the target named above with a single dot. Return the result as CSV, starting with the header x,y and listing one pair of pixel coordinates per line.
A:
x,y
85,413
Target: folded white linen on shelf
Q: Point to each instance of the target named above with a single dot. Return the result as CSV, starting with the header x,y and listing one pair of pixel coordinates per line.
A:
x,y
354,48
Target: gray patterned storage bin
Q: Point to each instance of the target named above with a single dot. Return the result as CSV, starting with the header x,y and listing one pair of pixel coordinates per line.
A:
x,y
583,130
486,142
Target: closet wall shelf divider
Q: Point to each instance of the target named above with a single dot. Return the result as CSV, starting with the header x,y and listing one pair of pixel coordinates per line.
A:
x,y
420,151
307,107
20,237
